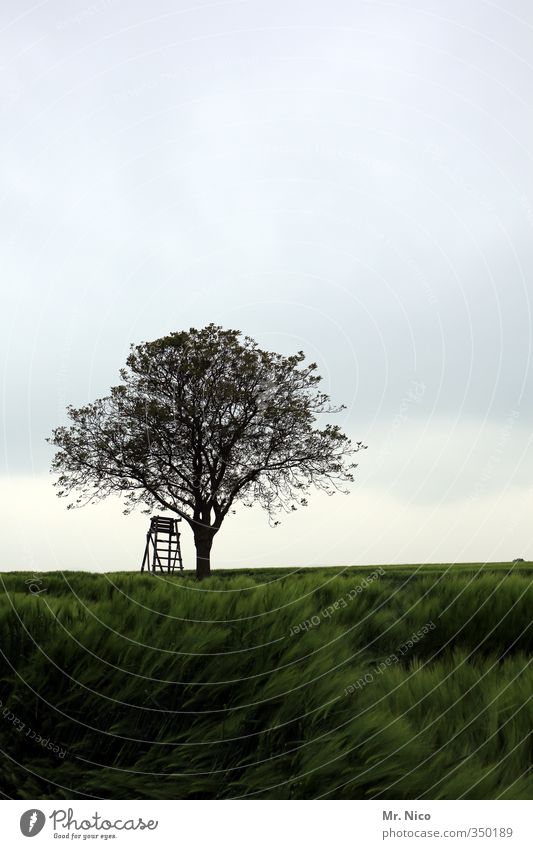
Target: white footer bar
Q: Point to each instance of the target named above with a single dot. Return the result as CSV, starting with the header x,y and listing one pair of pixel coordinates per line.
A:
x,y
256,824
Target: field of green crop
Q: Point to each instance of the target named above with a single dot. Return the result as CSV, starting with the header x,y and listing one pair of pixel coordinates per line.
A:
x,y
401,682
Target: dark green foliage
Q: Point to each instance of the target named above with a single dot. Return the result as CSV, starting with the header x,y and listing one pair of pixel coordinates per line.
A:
x,y
166,688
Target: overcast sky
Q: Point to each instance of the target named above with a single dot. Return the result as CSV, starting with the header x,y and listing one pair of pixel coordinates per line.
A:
x,y
350,178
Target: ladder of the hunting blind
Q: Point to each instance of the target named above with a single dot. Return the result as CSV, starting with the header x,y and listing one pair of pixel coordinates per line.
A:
x,y
162,545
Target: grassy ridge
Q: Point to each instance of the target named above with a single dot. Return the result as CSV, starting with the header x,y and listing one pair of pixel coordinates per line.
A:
x,y
266,684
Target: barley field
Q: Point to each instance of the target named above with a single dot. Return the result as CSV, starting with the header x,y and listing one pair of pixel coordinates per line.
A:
x,y
391,682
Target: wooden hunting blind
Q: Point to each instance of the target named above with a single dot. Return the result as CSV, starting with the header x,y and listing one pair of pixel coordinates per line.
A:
x,y
162,545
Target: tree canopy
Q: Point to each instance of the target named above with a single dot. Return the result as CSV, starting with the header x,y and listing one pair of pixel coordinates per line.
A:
x,y
203,419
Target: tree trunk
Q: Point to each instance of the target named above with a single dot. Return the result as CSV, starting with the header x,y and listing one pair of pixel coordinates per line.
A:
x,y
203,540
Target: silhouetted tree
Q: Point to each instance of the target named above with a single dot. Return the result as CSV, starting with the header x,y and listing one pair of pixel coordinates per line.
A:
x,y
203,419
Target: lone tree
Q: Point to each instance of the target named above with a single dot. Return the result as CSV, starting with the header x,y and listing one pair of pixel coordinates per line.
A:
x,y
201,420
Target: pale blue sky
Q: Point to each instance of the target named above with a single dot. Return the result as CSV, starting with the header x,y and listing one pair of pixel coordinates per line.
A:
x,y
350,178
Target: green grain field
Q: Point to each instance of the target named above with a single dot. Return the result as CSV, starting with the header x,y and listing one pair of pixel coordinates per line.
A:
x,y
408,682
